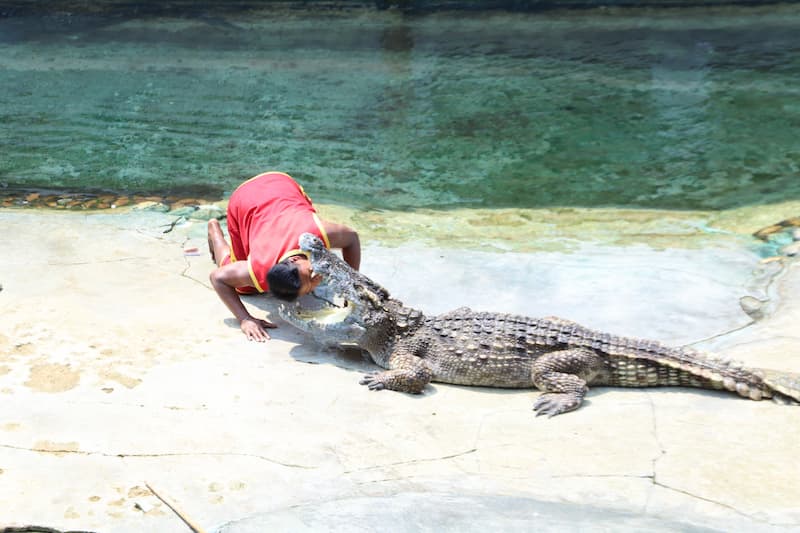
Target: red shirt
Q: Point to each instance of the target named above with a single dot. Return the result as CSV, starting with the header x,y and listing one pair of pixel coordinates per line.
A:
x,y
266,216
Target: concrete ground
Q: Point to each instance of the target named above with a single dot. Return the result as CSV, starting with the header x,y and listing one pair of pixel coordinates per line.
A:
x,y
121,374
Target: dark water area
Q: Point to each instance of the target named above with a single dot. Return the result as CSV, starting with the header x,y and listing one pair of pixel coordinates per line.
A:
x,y
675,109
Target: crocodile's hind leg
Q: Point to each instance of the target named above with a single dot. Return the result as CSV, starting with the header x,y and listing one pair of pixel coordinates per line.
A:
x,y
562,376
407,373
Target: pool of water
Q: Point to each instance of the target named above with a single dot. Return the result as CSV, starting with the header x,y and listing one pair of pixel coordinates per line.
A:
x,y
661,109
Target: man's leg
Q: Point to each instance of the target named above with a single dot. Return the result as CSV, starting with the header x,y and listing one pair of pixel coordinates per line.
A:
x,y
217,245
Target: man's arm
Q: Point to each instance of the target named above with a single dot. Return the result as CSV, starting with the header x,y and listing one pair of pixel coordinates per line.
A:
x,y
225,279
346,238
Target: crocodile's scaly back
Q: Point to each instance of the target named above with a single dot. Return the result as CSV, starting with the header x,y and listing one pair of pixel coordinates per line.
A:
x,y
500,350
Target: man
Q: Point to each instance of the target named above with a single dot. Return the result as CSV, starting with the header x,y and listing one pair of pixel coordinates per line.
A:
x,y
266,216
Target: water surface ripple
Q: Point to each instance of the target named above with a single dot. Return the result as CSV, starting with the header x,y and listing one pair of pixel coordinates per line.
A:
x,y
690,109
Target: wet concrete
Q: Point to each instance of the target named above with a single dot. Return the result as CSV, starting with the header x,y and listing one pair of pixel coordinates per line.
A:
x,y
120,371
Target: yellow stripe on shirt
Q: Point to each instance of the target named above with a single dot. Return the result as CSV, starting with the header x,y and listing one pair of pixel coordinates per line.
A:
x,y
273,172
296,251
256,284
322,230
230,250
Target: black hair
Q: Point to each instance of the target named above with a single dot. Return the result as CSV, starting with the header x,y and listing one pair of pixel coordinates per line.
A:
x,y
284,281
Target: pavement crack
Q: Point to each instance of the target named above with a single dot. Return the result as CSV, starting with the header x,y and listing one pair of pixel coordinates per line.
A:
x,y
661,451
656,483
56,451
93,262
716,502
769,282
719,335
601,476
383,480
184,272
755,342
412,461
187,276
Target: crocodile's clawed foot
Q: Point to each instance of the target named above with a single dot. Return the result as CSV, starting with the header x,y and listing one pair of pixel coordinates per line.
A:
x,y
556,403
373,381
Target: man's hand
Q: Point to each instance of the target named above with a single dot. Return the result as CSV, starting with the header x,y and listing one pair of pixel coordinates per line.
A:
x,y
255,329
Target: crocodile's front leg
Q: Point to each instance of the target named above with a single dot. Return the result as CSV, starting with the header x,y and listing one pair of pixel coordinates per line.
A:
x,y
407,373
562,377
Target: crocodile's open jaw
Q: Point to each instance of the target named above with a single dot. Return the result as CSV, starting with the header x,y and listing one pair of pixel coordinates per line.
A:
x,y
343,307
327,311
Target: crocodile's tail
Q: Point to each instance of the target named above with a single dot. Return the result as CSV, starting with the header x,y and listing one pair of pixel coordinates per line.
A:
x,y
686,366
785,385
646,363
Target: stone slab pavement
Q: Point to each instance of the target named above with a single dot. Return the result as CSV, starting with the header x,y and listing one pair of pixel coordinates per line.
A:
x,y
121,373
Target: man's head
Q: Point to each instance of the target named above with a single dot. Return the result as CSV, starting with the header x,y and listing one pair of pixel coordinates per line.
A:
x,y
292,277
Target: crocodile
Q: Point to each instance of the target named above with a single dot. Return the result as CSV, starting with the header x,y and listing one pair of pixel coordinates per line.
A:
x,y
465,347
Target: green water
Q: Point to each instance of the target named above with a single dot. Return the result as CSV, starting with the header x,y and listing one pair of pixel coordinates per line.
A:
x,y
689,109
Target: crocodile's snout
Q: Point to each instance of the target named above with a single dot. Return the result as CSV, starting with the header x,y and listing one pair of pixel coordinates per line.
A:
x,y
310,243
